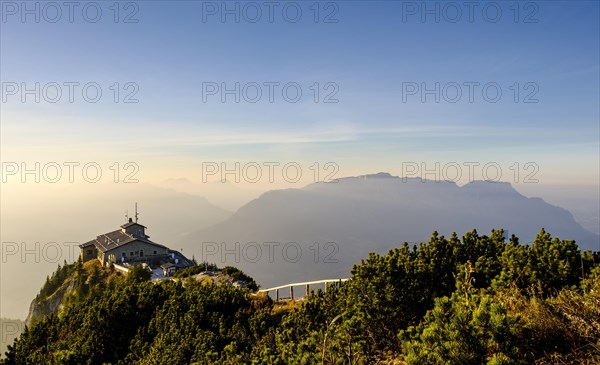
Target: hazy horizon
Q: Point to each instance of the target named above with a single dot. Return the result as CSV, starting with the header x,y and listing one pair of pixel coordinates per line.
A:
x,y
74,223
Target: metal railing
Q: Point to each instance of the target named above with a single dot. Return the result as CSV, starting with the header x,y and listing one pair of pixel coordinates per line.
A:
x,y
306,285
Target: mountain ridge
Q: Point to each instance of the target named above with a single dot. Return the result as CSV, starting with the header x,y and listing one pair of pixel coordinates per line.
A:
x,y
361,215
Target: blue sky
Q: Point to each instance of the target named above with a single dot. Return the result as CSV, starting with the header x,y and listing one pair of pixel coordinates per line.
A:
x,y
367,54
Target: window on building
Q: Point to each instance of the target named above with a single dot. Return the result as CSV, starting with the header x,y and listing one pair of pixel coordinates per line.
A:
x,y
155,252
141,253
131,253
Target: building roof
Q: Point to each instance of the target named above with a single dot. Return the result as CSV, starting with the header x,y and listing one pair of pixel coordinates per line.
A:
x,y
87,244
131,223
115,239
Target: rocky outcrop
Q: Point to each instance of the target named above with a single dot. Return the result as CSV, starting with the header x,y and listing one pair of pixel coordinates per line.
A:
x,y
40,308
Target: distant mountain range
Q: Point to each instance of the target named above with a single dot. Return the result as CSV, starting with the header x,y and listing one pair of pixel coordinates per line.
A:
x,y
370,213
226,195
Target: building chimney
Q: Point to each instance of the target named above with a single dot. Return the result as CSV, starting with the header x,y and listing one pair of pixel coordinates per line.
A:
x,y
130,220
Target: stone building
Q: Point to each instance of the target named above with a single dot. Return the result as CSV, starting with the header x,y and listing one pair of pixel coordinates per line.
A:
x,y
129,244
169,268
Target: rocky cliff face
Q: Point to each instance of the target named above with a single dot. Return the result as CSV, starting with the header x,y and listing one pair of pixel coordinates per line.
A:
x,y
47,306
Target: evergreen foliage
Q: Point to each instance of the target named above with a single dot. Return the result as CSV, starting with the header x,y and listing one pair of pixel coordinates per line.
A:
x,y
471,300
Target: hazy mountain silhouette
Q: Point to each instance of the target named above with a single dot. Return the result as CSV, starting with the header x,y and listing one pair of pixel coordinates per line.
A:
x,y
364,214
226,195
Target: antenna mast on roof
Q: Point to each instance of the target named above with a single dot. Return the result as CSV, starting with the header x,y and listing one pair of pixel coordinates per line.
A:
x,y
136,213
126,215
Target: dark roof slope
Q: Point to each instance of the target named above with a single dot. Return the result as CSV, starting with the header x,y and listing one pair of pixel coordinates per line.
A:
x,y
115,239
88,244
129,224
